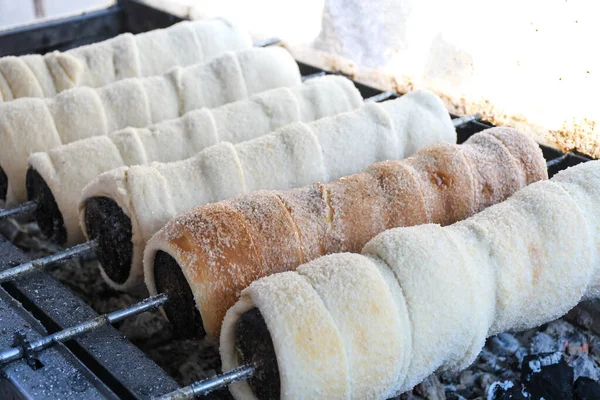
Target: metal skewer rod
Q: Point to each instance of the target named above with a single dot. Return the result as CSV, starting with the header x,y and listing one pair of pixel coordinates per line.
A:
x,y
381,97
556,161
267,42
17,353
311,76
465,120
208,385
22,209
41,263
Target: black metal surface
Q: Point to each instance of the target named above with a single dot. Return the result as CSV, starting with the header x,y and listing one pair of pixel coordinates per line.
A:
x,y
139,17
62,34
55,373
78,30
119,364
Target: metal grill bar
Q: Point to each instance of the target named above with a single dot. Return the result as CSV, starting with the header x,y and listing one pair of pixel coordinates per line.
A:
x,y
315,75
41,263
23,209
17,353
556,161
466,119
206,386
267,42
381,97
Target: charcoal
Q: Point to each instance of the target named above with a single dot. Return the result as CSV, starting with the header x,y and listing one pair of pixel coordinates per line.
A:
x,y
580,316
431,388
565,332
485,381
594,347
547,376
506,390
504,344
584,365
544,343
409,396
454,396
586,389
466,379
489,361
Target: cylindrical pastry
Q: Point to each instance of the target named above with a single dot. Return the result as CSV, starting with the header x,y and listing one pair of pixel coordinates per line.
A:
x,y
124,56
31,125
64,171
434,294
144,198
222,247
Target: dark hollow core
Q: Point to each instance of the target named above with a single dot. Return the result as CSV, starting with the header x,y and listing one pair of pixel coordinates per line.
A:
x,y
46,213
181,307
3,184
105,221
253,344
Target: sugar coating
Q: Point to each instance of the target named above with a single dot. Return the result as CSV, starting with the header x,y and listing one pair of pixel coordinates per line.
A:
x,y
295,155
68,168
287,228
30,125
582,186
306,367
512,266
349,294
124,56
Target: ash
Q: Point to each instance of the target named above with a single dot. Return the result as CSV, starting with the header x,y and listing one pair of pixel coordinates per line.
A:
x,y
558,360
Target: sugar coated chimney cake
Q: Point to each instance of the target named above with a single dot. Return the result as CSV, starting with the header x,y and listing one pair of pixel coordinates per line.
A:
x,y
218,249
124,56
30,125
56,177
145,198
419,298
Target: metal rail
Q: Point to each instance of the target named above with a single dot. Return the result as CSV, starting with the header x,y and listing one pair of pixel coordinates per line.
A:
x,y
22,209
206,386
311,76
267,42
466,119
26,349
41,263
381,97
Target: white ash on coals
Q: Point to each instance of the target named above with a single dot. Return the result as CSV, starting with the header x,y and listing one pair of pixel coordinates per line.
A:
x,y
559,360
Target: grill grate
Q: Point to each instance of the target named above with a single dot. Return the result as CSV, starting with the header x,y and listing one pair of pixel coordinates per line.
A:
x,y
102,363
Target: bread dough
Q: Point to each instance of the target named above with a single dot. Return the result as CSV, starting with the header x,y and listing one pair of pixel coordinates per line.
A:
x,y
68,168
31,125
269,231
295,155
124,56
514,266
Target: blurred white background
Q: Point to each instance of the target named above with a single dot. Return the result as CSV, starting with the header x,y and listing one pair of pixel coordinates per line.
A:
x,y
531,64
